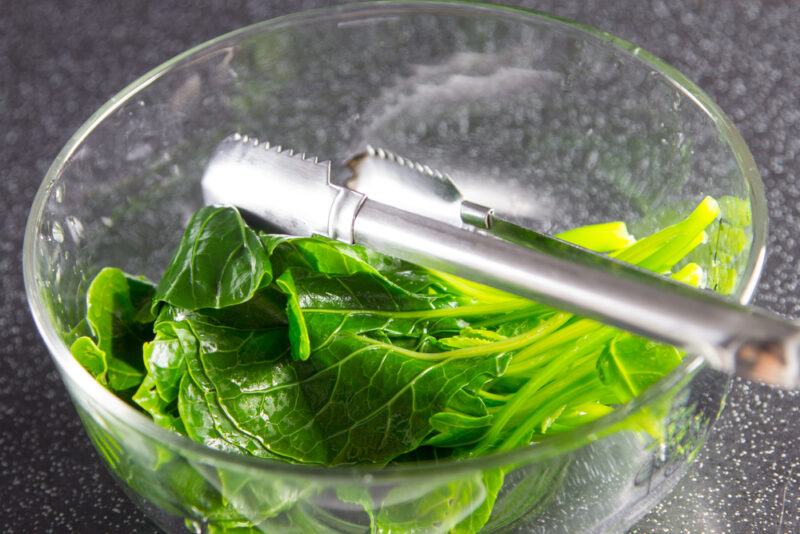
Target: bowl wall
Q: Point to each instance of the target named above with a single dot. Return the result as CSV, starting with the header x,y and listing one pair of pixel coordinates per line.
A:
x,y
554,124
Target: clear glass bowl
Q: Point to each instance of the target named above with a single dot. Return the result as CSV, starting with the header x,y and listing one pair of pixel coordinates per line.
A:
x,y
554,123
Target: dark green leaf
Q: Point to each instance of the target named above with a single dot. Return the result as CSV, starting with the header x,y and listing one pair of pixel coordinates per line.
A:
x,y
220,262
164,413
165,357
356,399
118,313
381,400
239,352
327,256
266,308
315,253
252,392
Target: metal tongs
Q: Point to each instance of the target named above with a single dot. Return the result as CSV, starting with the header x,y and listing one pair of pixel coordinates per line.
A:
x,y
408,210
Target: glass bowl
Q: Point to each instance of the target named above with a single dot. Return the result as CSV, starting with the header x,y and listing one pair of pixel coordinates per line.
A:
x,y
554,123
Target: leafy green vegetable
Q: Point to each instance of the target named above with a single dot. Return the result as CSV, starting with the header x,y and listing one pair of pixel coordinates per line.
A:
x,y
258,499
461,505
91,358
165,357
220,262
118,314
312,351
357,400
231,377
163,413
630,364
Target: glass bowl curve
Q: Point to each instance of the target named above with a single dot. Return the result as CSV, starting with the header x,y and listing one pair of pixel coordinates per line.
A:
x,y
554,123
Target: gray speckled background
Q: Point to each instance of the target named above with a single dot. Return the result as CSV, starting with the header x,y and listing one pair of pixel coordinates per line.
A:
x,y
60,60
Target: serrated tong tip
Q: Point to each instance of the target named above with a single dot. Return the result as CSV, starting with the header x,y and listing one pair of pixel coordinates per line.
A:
x,y
278,149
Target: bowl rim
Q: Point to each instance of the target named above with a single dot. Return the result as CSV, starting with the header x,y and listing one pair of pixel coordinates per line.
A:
x,y
555,446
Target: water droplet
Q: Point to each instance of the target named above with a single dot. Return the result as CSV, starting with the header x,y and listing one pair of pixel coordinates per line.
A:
x,y
107,221
662,452
75,227
591,159
59,193
139,151
57,232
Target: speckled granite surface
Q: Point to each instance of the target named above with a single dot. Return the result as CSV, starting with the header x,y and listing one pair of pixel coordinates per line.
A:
x,y
59,61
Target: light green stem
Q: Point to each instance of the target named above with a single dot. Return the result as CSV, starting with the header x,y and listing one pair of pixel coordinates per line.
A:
x,y
490,349
459,311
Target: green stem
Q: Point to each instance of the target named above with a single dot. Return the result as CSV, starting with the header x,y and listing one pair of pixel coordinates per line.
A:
x,y
474,289
493,396
576,392
459,311
589,343
491,349
690,274
524,396
583,362
654,250
603,237
568,334
536,310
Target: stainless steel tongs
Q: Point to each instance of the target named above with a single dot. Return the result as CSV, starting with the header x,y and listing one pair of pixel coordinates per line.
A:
x,y
415,213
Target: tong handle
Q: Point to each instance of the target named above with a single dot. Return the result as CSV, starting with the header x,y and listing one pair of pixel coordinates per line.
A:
x,y
749,342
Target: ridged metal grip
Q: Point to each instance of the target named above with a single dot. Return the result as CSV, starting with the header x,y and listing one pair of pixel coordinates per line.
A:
x,y
279,187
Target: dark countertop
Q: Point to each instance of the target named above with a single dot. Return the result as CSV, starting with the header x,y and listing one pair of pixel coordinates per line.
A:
x,y
59,61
